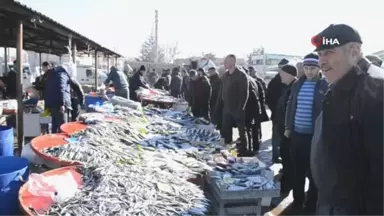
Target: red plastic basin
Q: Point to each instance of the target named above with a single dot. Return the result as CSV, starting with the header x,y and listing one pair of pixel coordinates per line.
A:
x,y
40,203
72,127
38,144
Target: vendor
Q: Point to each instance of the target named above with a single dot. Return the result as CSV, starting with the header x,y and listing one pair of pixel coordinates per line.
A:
x,y
39,83
200,90
9,83
163,83
119,81
136,82
57,97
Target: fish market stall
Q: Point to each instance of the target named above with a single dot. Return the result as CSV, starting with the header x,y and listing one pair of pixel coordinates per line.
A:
x,y
156,158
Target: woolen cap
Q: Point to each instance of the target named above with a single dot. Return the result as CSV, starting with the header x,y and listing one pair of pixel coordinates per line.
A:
x,y
290,69
283,62
311,59
142,68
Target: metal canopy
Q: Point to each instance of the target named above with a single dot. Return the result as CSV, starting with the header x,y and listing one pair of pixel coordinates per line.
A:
x,y
41,33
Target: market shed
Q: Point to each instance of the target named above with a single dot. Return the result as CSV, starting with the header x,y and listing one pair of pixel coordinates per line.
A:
x,y
24,28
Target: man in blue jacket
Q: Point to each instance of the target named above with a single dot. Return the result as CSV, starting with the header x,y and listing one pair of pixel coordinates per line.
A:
x,y
303,107
119,81
57,96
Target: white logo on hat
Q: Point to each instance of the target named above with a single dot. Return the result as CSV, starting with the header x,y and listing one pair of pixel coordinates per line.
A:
x,y
330,41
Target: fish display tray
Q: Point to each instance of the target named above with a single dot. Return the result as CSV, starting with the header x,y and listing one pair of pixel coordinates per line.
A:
x,y
239,202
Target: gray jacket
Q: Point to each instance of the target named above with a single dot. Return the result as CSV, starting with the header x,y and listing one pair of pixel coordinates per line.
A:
x,y
320,90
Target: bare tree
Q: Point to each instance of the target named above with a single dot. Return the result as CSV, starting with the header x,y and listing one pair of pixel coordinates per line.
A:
x,y
209,56
147,52
170,52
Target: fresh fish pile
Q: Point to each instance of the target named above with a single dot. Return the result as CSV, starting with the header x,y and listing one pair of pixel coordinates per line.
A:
x,y
123,111
94,150
172,142
118,130
195,134
244,182
132,190
182,118
237,174
158,125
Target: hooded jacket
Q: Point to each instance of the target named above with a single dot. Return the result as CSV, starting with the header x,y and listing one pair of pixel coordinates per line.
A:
x,y
57,91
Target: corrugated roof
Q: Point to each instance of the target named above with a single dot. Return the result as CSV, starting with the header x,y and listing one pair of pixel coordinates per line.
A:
x,y
74,33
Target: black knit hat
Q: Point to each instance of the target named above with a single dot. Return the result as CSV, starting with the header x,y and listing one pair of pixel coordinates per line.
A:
x,y
312,59
283,62
142,68
290,69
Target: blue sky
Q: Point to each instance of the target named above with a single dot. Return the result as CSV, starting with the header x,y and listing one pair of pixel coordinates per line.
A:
x,y
220,27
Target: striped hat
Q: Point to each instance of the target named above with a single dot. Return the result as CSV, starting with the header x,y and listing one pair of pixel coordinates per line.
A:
x,y
312,59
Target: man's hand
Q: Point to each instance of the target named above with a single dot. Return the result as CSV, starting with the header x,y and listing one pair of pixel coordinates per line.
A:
x,y
287,133
62,109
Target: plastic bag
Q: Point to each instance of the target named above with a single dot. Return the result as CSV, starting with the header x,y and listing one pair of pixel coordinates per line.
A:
x,y
116,100
59,188
30,155
71,69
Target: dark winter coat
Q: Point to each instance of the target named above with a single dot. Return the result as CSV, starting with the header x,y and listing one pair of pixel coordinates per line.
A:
x,y
135,83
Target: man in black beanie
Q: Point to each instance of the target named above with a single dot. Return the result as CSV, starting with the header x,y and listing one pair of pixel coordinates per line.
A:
x,y
136,82
288,75
274,91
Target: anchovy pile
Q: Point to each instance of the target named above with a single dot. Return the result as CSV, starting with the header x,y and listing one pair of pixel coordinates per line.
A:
x,y
94,150
132,190
113,130
195,134
160,126
178,117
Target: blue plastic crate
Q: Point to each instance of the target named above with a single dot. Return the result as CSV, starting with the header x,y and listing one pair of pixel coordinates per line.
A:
x,y
88,100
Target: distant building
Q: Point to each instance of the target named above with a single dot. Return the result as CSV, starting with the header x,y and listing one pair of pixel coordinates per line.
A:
x,y
217,61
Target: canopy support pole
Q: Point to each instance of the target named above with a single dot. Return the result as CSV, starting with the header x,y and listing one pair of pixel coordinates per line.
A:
x,y
5,60
19,86
96,68
107,63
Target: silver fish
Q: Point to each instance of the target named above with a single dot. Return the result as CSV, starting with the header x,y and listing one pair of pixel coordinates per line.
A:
x,y
113,189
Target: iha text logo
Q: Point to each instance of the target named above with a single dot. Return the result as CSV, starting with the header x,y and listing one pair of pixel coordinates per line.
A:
x,y
324,41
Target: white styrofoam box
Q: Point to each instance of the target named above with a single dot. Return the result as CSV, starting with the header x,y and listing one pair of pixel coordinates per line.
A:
x,y
9,104
182,107
32,124
45,119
